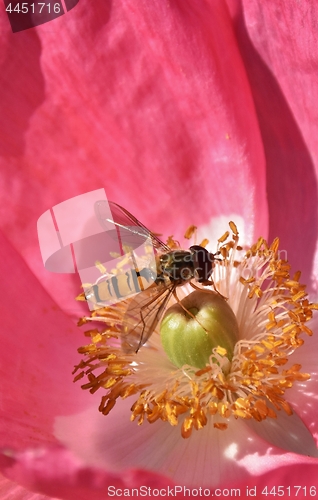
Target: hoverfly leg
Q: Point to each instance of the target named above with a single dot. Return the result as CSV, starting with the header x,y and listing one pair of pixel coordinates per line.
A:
x,y
187,311
208,283
143,329
180,304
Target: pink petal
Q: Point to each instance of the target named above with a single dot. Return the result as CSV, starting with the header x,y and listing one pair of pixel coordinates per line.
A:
x,y
38,351
162,116
278,44
160,109
115,443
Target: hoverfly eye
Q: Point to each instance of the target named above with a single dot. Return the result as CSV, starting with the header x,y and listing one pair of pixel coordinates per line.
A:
x,y
202,263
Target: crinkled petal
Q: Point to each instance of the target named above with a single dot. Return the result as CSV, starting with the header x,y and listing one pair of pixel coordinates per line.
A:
x,y
56,472
12,491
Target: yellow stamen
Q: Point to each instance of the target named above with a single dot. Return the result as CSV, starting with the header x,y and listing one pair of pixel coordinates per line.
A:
x,y
271,307
190,232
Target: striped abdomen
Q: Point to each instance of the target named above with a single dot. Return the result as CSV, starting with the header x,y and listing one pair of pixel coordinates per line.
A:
x,y
112,290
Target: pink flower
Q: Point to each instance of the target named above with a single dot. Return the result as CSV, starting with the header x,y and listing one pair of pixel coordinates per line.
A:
x,y
186,112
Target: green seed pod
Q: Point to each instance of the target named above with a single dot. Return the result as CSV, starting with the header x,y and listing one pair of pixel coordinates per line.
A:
x,y
189,340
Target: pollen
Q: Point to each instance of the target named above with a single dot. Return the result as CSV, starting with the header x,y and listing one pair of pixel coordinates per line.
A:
x,y
271,307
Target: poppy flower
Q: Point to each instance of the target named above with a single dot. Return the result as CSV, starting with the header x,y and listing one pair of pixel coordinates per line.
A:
x,y
186,113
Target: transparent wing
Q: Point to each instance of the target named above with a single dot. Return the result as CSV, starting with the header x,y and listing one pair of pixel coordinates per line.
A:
x,y
143,315
130,231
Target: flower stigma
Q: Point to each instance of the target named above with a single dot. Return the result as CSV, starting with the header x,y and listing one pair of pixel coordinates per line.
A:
x,y
222,352
193,327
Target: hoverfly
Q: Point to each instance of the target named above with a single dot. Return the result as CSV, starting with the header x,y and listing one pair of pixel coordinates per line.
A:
x,y
174,268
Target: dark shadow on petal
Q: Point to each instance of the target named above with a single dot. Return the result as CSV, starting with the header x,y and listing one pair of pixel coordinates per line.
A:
x,y
286,432
291,179
22,90
70,4
303,396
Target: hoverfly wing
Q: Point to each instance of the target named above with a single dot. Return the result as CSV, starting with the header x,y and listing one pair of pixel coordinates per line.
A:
x,y
143,315
130,231
127,251
122,216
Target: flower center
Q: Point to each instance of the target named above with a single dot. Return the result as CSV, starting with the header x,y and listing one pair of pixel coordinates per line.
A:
x,y
214,359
